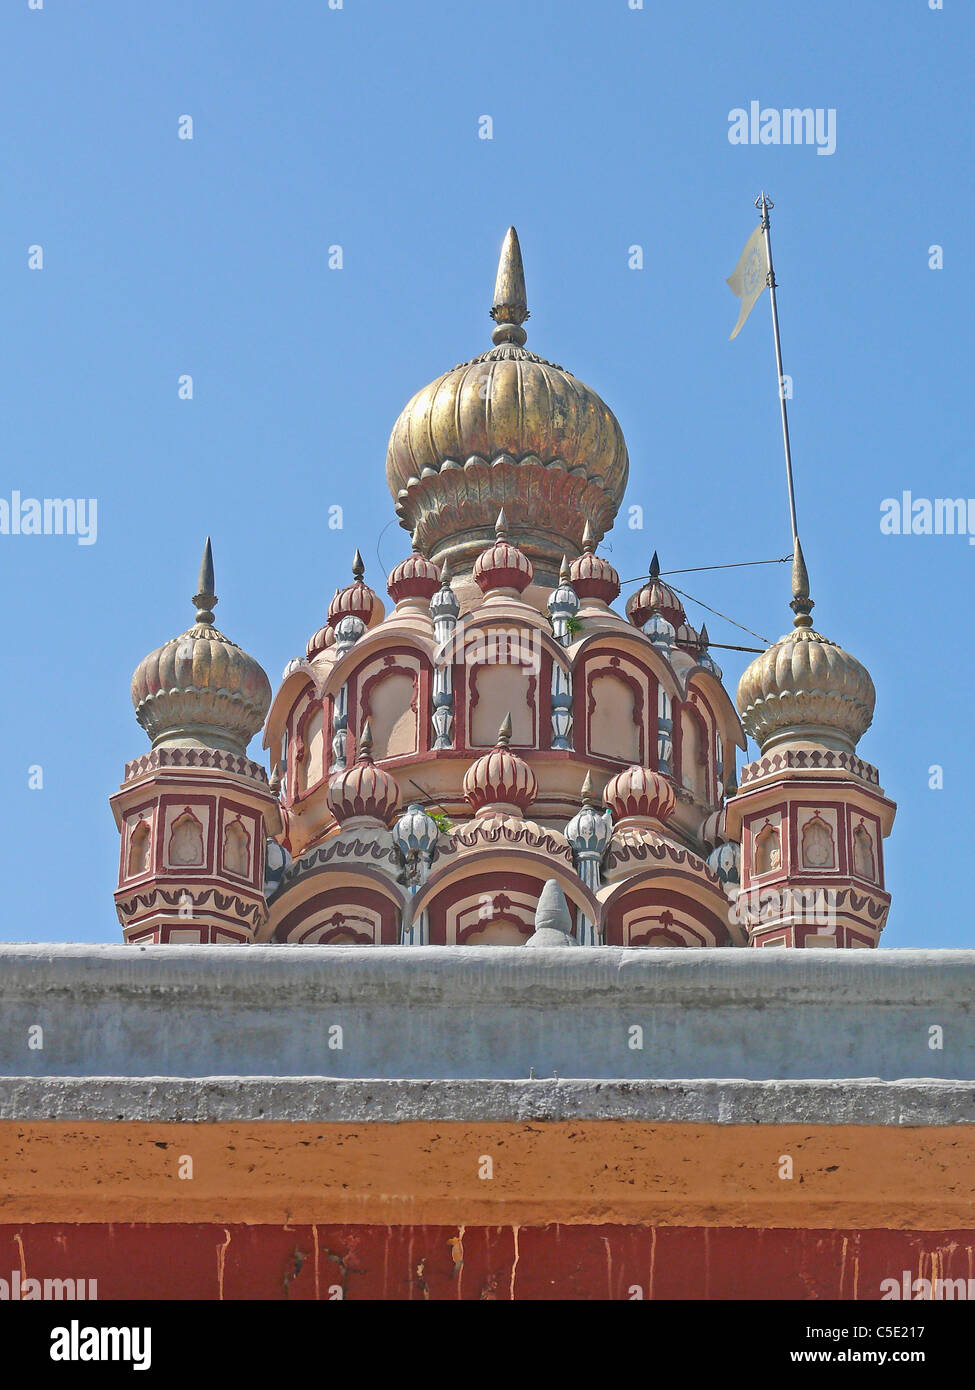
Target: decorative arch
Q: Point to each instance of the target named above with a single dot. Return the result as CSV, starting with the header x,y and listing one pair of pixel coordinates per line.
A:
x,y
186,842
864,864
767,850
618,696
818,847
139,850
236,856
644,912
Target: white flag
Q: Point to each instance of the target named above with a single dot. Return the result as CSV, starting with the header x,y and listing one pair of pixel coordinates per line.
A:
x,y
750,276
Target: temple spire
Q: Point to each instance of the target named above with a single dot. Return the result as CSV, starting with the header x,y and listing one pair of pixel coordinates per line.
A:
x,y
205,599
802,605
510,307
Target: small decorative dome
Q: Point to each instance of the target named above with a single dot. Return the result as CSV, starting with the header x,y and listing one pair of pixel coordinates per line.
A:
x,y
590,829
563,601
655,597
704,657
356,600
725,861
507,428
638,791
591,575
416,832
502,565
363,790
319,641
445,605
805,687
661,632
201,689
414,577
500,777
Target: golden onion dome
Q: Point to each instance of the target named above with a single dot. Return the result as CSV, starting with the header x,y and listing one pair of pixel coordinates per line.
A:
x,y
201,689
805,687
506,429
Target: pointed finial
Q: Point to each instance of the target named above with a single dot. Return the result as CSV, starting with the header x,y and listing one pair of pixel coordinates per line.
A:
x,y
510,302
565,571
588,790
205,599
654,566
358,568
802,605
504,733
703,635
365,743
415,542
588,539
501,526
445,575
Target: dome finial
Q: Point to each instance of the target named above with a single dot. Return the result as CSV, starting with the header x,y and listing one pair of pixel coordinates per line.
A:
x,y
358,567
510,302
501,526
654,566
564,575
802,605
364,750
588,790
205,599
588,539
504,733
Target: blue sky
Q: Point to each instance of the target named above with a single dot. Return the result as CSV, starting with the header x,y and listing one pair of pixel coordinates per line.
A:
x,y
358,127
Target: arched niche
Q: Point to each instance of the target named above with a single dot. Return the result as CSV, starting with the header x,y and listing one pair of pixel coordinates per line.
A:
x,y
139,850
186,841
493,692
391,710
237,849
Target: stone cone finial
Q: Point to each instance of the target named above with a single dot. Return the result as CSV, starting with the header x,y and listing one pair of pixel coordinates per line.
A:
x,y
588,791
358,567
588,539
654,566
802,605
504,733
565,576
205,599
364,751
510,307
501,526
553,921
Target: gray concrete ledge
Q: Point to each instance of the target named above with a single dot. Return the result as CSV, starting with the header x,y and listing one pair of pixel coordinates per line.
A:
x,y
319,1099
495,1012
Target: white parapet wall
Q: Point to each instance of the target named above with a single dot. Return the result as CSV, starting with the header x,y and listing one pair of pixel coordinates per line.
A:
x,y
456,1013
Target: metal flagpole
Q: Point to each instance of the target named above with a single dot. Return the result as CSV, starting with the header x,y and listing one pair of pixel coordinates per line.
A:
x,y
764,205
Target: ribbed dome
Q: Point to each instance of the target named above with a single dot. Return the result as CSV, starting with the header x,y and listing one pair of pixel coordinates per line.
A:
x,y
500,776
655,597
590,575
201,689
639,791
805,687
502,565
506,429
414,577
364,789
356,600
